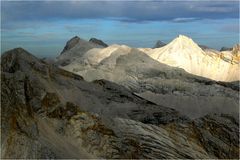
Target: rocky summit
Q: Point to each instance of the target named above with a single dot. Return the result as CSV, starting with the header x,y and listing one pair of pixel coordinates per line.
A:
x,y
98,41
49,112
71,43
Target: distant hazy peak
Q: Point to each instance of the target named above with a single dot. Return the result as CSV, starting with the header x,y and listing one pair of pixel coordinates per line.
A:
x,y
204,47
226,49
71,43
159,44
98,41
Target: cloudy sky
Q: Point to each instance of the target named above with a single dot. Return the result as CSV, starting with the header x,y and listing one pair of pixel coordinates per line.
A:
x,y
43,27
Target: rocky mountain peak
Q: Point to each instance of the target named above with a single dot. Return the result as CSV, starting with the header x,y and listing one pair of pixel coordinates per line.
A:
x,y
17,50
71,43
17,59
184,53
98,41
185,43
17,53
184,40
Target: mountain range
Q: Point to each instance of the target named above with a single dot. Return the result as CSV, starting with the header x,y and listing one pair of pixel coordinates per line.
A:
x,y
158,74
182,52
112,101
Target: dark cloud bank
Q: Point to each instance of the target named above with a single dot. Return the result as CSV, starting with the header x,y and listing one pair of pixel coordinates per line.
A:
x,y
176,11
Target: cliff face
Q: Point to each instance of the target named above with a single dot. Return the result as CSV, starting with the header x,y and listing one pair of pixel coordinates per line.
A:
x,y
47,112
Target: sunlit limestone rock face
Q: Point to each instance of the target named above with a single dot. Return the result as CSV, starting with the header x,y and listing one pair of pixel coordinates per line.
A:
x,y
182,52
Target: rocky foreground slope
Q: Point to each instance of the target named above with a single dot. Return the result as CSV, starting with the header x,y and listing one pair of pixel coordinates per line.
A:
x,y
47,112
160,83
